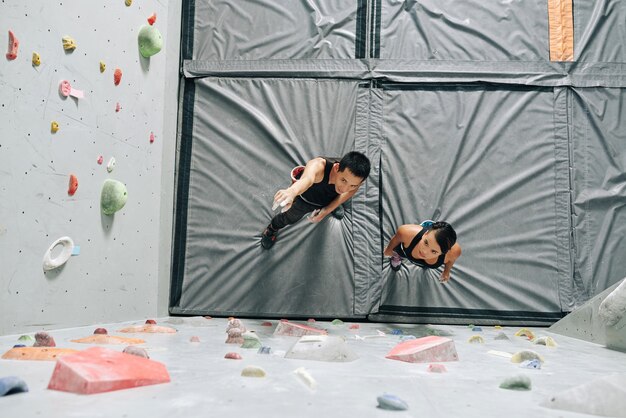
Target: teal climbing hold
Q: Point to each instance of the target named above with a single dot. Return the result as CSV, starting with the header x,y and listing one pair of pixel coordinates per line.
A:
x,y
150,41
113,196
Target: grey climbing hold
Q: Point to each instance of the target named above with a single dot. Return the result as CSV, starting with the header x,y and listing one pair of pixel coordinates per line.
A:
x,y
113,196
530,364
12,384
392,403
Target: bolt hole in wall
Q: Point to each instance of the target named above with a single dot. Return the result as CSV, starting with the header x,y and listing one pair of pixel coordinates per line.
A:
x,y
55,91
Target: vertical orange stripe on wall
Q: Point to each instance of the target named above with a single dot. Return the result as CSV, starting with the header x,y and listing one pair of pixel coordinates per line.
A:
x,y
561,30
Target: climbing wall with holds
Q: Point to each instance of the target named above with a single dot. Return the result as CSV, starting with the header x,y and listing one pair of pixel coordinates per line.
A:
x,y
83,130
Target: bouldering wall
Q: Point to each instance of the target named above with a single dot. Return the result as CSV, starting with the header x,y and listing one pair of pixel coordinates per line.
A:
x,y
114,273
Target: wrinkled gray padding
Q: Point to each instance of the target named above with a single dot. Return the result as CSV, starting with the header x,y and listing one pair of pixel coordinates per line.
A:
x,y
464,118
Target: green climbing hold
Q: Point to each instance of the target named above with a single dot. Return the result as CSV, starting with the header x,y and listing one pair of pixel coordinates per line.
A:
x,y
150,41
26,338
113,196
519,382
337,322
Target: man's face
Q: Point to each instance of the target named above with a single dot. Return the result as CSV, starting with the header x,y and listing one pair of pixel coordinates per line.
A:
x,y
346,181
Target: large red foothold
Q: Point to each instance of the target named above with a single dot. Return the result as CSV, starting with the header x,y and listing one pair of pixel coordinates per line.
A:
x,y
73,185
98,369
13,45
150,322
100,331
423,350
117,76
152,19
43,339
296,330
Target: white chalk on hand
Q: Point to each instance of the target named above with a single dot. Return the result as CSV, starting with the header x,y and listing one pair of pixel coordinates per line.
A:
x,y
275,205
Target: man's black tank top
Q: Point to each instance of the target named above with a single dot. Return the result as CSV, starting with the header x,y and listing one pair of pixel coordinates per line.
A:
x,y
406,252
321,194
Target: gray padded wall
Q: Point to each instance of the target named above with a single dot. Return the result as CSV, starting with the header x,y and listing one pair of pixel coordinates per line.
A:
x,y
464,118
116,277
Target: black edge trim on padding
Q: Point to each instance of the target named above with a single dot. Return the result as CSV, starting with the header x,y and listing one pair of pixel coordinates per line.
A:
x,y
413,311
182,193
361,30
188,27
375,28
479,85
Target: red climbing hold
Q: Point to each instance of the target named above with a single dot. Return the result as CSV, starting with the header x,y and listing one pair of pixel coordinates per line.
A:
x,y
117,76
152,19
73,185
13,44
150,322
100,159
151,137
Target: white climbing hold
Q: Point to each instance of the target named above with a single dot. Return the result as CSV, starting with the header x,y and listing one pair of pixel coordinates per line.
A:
x,y
50,263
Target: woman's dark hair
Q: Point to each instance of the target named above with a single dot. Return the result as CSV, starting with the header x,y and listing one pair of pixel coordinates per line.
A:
x,y
357,163
444,234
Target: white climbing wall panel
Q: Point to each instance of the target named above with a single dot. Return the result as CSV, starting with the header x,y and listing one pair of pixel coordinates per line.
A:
x,y
118,273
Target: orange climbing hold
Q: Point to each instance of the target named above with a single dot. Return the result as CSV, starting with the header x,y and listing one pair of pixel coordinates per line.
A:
x,y
152,19
13,44
117,76
73,185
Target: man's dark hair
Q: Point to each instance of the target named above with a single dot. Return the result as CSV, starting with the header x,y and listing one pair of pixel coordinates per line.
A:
x,y
444,234
357,163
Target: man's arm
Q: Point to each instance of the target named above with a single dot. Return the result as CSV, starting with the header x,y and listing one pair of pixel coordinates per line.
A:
x,y
313,173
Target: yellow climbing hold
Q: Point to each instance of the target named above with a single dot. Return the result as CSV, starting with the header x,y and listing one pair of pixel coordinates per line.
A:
x,y
476,339
128,2
547,341
525,332
54,127
36,59
69,44
103,66
526,355
498,327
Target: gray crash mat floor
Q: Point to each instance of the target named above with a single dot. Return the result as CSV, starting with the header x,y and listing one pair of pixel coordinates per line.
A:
x,y
204,383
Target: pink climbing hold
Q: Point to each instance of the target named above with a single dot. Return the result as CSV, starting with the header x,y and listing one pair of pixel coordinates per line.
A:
x,y
13,45
425,349
100,331
152,19
296,330
97,370
151,137
233,356
194,339
266,324
437,368
73,185
43,339
118,107
117,76
150,322
354,326
310,320
100,159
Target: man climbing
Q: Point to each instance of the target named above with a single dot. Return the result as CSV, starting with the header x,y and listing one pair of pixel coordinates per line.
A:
x,y
323,186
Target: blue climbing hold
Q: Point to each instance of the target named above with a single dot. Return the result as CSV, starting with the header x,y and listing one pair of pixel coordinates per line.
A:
x,y
396,332
408,337
264,350
18,345
11,385
531,364
477,329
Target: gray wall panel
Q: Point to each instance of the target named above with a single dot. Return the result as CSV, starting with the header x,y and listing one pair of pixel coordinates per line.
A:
x,y
270,29
599,31
599,188
248,135
483,160
475,30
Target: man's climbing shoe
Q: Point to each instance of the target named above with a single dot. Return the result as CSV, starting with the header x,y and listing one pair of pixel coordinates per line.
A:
x,y
338,213
268,238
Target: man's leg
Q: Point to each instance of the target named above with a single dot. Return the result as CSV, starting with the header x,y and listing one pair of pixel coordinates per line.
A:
x,y
298,209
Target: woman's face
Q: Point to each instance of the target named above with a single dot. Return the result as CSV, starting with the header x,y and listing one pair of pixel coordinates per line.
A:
x,y
428,247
